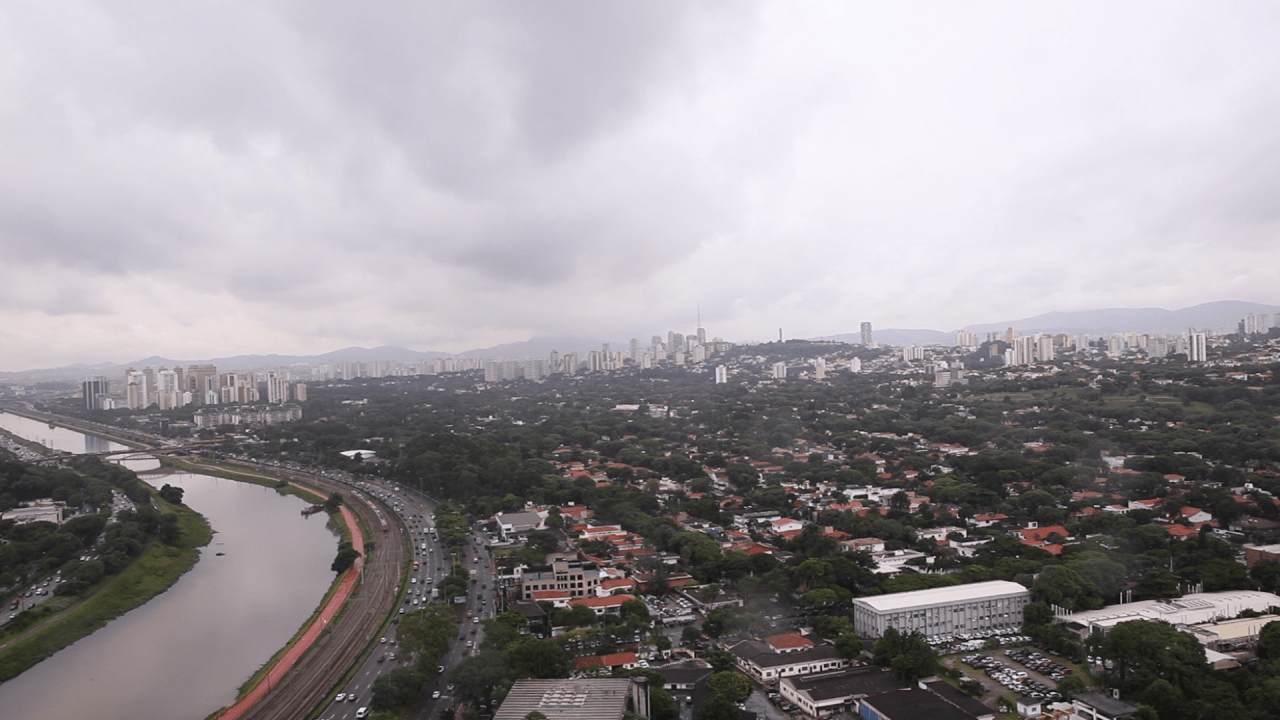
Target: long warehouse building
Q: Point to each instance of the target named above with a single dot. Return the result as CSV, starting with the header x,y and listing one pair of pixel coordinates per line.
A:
x,y
972,608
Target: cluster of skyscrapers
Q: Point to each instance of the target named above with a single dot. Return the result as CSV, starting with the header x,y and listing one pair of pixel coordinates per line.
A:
x,y
677,349
1044,347
169,388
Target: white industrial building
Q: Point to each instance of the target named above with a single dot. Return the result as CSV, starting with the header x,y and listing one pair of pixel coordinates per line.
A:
x,y
1193,609
973,608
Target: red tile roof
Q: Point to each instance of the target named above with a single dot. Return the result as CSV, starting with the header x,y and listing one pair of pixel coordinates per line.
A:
x,y
1040,534
607,601
788,640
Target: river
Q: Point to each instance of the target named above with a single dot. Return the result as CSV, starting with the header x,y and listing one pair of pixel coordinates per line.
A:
x,y
185,653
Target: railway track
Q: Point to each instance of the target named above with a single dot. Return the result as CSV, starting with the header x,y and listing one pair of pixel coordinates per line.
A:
x,y
338,649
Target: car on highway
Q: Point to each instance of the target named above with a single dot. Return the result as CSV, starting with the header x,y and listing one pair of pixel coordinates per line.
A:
x,y
435,694
340,697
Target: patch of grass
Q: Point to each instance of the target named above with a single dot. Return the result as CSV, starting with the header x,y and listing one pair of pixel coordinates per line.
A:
x,y
153,572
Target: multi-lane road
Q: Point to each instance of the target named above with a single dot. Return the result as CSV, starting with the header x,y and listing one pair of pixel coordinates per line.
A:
x,y
413,513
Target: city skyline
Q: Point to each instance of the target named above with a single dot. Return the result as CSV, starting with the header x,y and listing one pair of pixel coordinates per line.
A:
x,y
456,177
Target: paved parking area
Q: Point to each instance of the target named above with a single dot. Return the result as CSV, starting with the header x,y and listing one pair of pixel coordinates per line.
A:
x,y
759,704
995,689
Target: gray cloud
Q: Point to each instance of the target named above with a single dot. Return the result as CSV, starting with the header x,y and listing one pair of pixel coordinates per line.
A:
x,y
291,176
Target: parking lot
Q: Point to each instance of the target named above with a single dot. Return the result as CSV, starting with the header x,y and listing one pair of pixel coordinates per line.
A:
x,y
1021,671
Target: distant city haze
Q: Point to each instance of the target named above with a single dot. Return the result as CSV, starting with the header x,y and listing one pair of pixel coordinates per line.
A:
x,y
452,177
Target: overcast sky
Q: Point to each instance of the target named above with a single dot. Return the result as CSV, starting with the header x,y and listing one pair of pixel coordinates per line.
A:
x,y
201,179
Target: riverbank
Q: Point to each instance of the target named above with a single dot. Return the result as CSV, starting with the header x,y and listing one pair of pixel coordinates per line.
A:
x,y
26,450
349,528
152,573
120,435
275,671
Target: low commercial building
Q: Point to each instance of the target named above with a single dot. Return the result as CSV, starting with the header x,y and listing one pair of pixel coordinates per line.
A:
x,y
764,664
517,525
1257,553
1193,609
1230,635
38,511
972,608
830,694
584,699
1096,706
915,703
609,605
579,579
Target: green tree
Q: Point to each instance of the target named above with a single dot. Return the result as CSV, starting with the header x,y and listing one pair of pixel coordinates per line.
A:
x,y
634,609
1269,642
732,684
529,657
908,656
171,494
689,635
709,592
474,677
1036,614
1060,585
717,622
849,645
542,541
346,557
720,660
170,532
1070,684
396,689
719,707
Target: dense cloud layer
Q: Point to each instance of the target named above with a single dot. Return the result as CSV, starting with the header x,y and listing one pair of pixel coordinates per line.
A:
x,y
195,179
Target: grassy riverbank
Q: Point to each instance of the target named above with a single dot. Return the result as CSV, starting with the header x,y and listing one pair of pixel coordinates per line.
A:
x,y
223,471
155,571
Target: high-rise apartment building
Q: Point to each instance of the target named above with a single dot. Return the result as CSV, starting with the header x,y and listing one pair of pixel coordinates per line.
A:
x,y
722,374
94,390
867,339
964,338
1044,348
277,389
137,389
780,371
169,394
199,381
1197,346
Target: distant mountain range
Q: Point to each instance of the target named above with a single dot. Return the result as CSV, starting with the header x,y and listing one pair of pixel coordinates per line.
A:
x,y
1217,316
535,347
1220,316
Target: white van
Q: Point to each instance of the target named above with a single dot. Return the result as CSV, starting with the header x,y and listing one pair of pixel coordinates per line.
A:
x,y
362,712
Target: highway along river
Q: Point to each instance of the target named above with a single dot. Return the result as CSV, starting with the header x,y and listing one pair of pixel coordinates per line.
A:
x,y
184,654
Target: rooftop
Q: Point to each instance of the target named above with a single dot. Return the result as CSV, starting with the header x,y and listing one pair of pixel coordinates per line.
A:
x,y
1190,609
600,699
855,682
942,595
